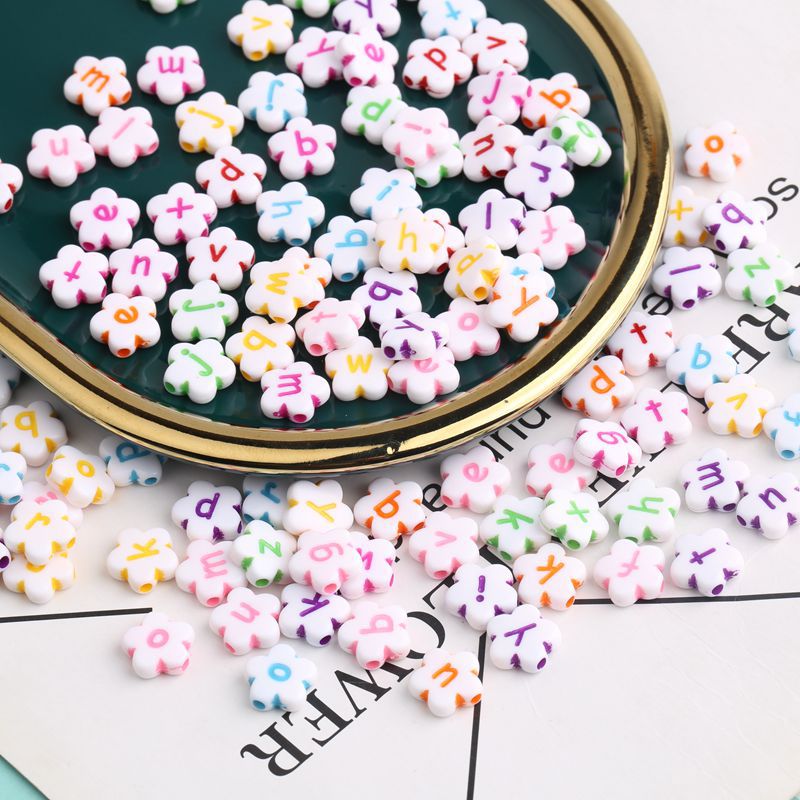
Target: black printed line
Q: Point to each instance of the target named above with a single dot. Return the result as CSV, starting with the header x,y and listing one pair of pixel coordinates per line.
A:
x,y
476,724
725,598
111,612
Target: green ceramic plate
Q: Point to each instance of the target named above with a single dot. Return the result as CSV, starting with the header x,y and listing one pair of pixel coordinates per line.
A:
x,y
39,225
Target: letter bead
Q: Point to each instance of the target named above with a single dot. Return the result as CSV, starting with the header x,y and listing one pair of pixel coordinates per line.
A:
x,y
60,155
263,553
198,371
522,639
246,621
124,135
471,332
126,324
202,312
13,468
644,512
358,16
232,177
713,482
782,425
715,152
384,194
97,84
553,466
371,110
513,529
474,270
367,59
500,93
74,277
10,184
414,337
170,73
489,150
49,501
539,177
326,560
606,447
219,257
424,380
390,510
293,392
479,594
262,29
142,269
548,98
494,44
349,246
387,296
705,562
658,420
289,214
599,388
450,17
447,681
181,214
308,615
574,518
738,406
303,149
496,216
130,464
208,123
685,219
208,512
314,57
630,573
359,370
436,66
316,507
377,556
280,680
642,342
700,362
158,645
770,505
209,572
34,431
81,478
417,136
264,499
444,543
581,139
549,578
473,480
331,325
39,583
553,235
261,346
376,634
523,304
758,275
687,276
272,100
143,559
735,223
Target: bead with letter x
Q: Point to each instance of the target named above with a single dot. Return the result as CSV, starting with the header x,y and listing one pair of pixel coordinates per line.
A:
x,y
179,208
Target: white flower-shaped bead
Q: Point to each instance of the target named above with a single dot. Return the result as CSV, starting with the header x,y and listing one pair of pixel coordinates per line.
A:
x,y
353,16
38,534
232,177
202,312
781,424
599,388
60,155
553,235
489,150
47,500
713,482
523,305
473,270
209,572
735,222
449,163
81,478
522,639
74,277
158,645
34,431
758,275
371,110
715,152
143,559
181,214
289,214
450,17
261,346
551,97
384,194
494,44
247,621
208,512
303,149
701,361
417,136
293,393
219,257
198,371
500,93
143,269
13,468
705,562
39,583
553,466
309,615
493,215
473,480
471,333
447,681
124,135
581,139
359,370
436,66
770,505
658,420
272,100
170,73
263,553
376,634
315,507
387,296
314,58
349,247
549,578
105,221
10,374
539,177
479,594
332,325
325,560
97,84
208,123
377,556
10,183
642,341
424,380
264,499
126,324
738,406
444,543
280,680
414,337
367,60
5,557
130,464
574,518
606,447
262,29
410,241
644,512
630,573
685,219
687,276
513,529
390,510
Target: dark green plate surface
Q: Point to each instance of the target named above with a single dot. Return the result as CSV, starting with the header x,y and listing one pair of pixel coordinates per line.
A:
x,y
31,98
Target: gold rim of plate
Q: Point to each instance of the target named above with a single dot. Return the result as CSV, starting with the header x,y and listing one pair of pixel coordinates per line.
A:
x,y
503,398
